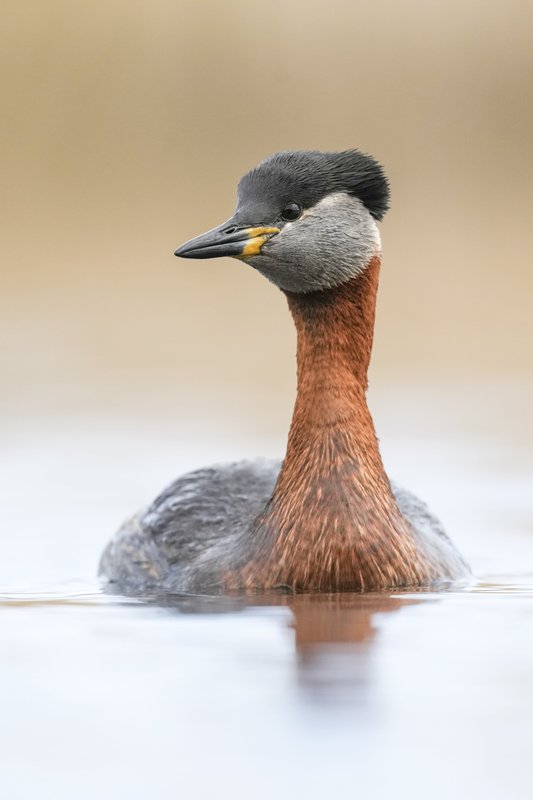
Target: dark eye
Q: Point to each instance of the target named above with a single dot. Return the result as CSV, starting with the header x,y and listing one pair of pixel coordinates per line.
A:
x,y
291,212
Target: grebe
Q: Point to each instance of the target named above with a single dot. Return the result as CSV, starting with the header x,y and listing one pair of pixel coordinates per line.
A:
x,y
326,518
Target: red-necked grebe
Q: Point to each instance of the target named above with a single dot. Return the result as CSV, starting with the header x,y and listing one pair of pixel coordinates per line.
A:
x,y
326,518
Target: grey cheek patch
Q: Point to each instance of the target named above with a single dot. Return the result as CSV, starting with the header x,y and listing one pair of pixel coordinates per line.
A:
x,y
331,243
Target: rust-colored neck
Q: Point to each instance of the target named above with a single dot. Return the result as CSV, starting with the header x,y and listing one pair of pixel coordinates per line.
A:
x,y
335,330
332,441
333,523
331,423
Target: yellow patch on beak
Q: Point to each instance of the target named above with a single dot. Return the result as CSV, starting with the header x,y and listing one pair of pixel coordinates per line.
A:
x,y
257,236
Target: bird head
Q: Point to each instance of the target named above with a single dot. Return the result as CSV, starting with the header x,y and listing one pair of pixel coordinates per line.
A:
x,y
305,220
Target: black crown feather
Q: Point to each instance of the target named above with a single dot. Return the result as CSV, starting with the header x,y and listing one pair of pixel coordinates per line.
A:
x,y
309,176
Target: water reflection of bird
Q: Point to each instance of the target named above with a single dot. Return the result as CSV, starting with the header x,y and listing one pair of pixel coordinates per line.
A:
x,y
335,641
335,635
327,518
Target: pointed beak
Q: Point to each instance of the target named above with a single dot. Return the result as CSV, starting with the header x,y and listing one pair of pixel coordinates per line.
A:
x,y
229,239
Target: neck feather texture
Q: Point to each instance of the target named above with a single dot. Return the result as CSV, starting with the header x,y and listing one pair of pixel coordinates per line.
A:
x,y
332,523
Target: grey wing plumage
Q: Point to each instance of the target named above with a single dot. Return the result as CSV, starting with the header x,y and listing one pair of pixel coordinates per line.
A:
x,y
210,504
155,548
429,531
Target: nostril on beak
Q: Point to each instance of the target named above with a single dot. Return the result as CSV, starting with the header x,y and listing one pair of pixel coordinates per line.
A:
x,y
230,230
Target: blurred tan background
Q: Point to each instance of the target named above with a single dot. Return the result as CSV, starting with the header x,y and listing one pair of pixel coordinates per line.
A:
x,y
125,128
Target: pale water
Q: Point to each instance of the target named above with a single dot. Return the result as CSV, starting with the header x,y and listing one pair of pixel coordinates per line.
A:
x,y
396,695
